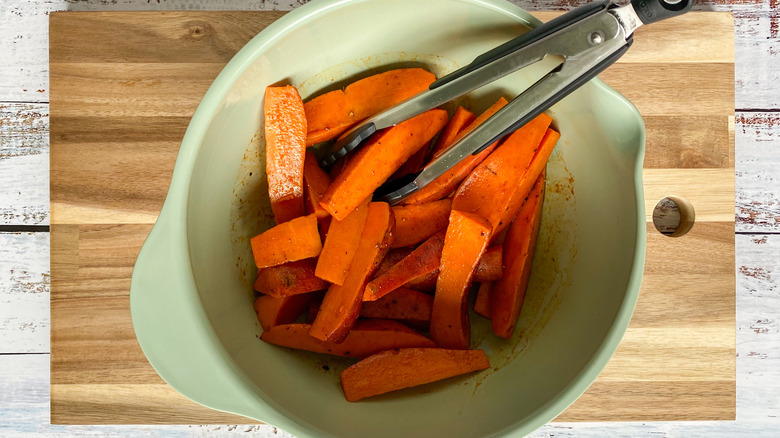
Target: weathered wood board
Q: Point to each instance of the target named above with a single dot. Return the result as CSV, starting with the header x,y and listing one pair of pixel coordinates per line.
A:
x,y
120,105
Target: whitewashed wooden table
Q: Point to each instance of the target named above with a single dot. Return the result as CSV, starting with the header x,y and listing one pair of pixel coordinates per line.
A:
x,y
24,220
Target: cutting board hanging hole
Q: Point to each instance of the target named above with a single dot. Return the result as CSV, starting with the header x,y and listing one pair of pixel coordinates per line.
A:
x,y
673,216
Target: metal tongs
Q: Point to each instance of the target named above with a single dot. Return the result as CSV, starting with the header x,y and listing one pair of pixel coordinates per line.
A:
x,y
589,38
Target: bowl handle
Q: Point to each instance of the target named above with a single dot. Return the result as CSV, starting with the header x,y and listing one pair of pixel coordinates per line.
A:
x,y
173,330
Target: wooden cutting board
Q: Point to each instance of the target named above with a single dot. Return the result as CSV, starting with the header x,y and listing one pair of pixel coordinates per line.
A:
x,y
123,87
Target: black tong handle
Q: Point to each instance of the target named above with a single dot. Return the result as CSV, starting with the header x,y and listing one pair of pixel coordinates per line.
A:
x,y
650,11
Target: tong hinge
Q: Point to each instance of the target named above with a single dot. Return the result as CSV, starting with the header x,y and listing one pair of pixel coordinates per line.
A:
x,y
627,18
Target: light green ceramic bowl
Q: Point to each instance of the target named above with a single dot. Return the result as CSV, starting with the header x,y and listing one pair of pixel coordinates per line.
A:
x,y
191,297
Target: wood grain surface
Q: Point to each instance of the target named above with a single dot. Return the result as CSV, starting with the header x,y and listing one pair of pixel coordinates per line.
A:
x,y
25,72
24,371
118,114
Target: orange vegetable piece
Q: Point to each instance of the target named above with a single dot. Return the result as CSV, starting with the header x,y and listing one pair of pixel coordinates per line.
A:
x,y
407,367
341,305
488,190
408,305
327,115
340,245
285,144
460,119
405,304
425,283
414,164
482,303
457,123
498,239
537,167
321,135
490,267
421,261
272,311
367,337
375,161
289,279
447,182
289,241
508,293
466,239
415,223
393,256
316,181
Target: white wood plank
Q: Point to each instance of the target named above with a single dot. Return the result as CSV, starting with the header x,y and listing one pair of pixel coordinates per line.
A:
x,y
24,44
24,409
757,42
24,128
757,166
687,429
758,327
24,393
24,293
24,190
24,163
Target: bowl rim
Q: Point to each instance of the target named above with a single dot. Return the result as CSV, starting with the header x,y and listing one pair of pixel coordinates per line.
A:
x,y
169,232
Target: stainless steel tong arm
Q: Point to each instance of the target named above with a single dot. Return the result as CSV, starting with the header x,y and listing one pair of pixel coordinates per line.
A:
x,y
588,39
586,46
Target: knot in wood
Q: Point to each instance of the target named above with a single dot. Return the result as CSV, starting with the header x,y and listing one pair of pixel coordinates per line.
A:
x,y
198,29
